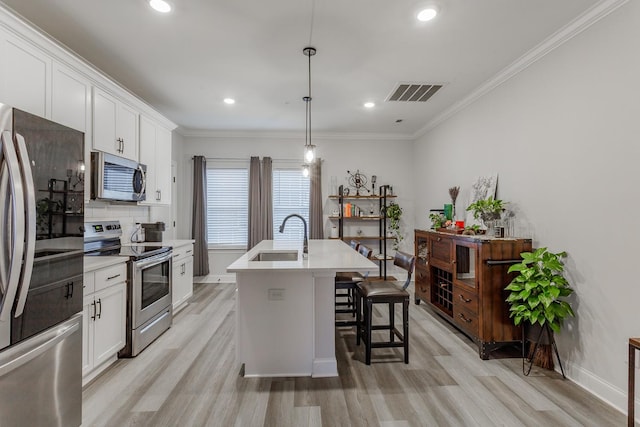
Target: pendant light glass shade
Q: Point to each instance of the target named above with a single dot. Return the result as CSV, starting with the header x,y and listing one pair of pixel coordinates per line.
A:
x,y
305,170
309,153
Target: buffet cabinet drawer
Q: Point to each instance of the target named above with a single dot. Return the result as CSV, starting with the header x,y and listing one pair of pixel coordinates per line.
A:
x,y
441,252
466,299
466,320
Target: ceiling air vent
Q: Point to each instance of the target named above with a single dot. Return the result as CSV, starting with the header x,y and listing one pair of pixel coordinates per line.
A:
x,y
414,92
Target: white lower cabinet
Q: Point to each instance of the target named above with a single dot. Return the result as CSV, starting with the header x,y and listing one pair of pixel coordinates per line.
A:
x,y
104,318
182,276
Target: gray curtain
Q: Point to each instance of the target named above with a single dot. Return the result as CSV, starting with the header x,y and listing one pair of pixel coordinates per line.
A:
x,y
199,223
255,220
266,199
316,226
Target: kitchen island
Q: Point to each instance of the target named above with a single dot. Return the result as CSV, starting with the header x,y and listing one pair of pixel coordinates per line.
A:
x,y
285,321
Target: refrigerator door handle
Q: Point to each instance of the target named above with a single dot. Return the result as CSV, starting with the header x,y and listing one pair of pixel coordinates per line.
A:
x,y
4,225
47,341
17,225
30,226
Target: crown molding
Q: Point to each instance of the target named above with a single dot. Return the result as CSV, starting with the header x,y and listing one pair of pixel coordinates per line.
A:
x,y
557,39
325,136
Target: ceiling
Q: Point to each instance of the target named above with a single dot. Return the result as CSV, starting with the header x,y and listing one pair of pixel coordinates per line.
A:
x,y
185,63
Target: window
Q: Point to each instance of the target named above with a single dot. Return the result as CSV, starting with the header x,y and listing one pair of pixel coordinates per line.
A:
x,y
228,202
290,195
227,205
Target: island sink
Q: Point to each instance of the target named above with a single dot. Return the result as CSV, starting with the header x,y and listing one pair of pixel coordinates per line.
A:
x,y
276,256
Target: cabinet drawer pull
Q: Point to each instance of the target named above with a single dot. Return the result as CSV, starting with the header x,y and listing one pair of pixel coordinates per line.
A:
x,y
93,317
464,318
464,299
443,285
100,304
189,251
113,277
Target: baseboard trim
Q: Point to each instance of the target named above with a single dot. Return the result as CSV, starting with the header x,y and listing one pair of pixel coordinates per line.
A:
x,y
324,367
597,386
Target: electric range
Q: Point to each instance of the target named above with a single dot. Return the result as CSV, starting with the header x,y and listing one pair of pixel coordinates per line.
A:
x,y
149,287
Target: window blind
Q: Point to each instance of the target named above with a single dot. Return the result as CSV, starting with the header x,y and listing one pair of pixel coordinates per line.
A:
x,y
227,206
290,195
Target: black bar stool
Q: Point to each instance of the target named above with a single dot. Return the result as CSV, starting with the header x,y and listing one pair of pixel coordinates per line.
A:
x,y
371,293
348,281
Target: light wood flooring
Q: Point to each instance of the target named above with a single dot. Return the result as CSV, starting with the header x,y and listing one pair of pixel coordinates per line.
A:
x,y
189,377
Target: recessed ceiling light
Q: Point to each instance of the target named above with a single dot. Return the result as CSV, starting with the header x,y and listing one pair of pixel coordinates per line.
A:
x,y
160,5
369,105
229,101
427,14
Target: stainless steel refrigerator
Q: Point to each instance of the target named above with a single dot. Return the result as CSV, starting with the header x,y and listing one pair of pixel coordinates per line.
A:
x,y
41,260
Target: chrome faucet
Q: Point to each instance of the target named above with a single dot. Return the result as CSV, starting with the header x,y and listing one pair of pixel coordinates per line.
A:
x,y
305,247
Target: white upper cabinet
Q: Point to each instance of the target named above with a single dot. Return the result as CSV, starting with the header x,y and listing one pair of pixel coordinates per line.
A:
x,y
155,152
163,164
25,76
115,126
71,99
71,106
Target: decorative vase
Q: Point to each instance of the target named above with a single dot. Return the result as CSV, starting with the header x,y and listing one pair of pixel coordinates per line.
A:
x,y
448,211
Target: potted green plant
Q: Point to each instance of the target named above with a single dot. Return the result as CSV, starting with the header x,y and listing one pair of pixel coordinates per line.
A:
x,y
437,220
393,213
537,299
487,209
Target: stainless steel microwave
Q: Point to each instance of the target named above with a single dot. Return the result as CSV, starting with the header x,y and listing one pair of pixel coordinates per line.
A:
x,y
116,178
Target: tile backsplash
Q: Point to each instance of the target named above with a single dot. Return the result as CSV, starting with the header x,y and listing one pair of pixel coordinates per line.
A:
x,y
127,214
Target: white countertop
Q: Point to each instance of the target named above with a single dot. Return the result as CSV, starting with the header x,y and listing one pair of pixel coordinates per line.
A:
x,y
174,243
92,263
324,255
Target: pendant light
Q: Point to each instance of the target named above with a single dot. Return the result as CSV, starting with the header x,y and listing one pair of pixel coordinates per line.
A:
x,y
309,148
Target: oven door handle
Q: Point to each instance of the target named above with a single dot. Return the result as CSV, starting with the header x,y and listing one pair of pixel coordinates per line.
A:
x,y
150,262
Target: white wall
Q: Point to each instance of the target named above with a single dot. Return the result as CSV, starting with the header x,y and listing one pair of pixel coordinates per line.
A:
x,y
388,159
563,137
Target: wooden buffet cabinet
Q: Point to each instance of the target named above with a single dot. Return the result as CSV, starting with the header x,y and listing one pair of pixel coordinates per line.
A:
x,y
463,279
